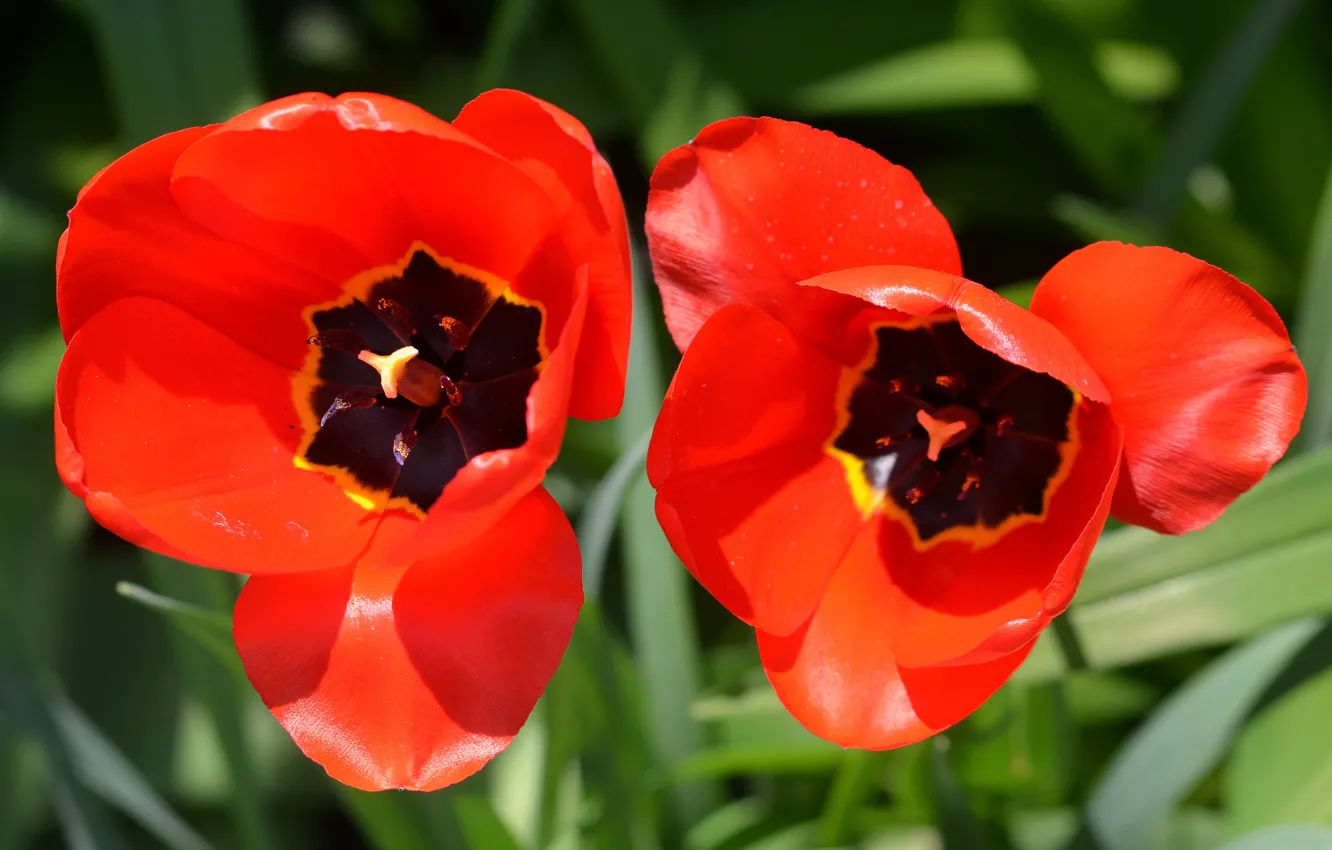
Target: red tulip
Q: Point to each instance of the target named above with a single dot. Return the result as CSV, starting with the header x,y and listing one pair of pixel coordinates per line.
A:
x,y
897,476
333,343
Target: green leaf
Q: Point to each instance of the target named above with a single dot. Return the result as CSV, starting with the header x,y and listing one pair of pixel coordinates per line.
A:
x,y
1112,141
852,783
84,820
105,771
756,734
1281,771
387,819
595,709
1095,223
661,615
1290,503
508,24
973,72
1186,737
767,48
596,525
658,77
28,370
481,827
214,674
1146,595
173,65
1099,698
727,825
958,824
1312,340
1285,838
211,629
1210,107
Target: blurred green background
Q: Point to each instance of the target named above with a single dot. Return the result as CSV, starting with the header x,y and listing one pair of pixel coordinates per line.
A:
x,y
1184,702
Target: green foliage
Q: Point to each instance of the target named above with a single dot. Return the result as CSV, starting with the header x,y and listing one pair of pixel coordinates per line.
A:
x,y
1182,703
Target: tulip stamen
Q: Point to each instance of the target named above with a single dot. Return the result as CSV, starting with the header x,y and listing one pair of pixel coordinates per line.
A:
x,y
339,339
403,444
457,331
451,392
396,317
353,399
403,373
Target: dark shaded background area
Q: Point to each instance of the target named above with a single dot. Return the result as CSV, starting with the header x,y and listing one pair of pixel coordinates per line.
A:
x,y
1178,706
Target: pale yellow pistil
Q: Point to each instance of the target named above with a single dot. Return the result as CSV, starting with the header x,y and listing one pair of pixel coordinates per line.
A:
x,y
401,373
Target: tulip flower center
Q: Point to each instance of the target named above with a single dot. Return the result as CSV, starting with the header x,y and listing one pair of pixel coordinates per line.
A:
x,y
418,368
951,437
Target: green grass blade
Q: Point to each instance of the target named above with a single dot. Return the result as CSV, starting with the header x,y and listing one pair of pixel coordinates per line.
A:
x,y
958,824
105,771
1146,595
11,827
1290,503
211,629
1312,340
1109,138
1285,838
972,72
1209,607
851,785
214,47
661,614
1186,736
1281,771
213,671
1210,107
386,819
656,74
595,711
596,525
83,818
147,87
482,829
508,24
173,65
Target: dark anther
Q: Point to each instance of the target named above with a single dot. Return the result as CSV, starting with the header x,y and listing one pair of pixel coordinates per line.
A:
x,y
1001,427
339,339
951,382
896,385
353,399
451,391
396,316
403,444
458,333
915,494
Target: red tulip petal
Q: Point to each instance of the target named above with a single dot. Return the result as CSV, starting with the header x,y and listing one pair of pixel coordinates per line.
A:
x,y
128,238
339,186
182,440
754,205
416,677
1200,369
989,320
490,484
957,604
839,676
557,151
751,502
